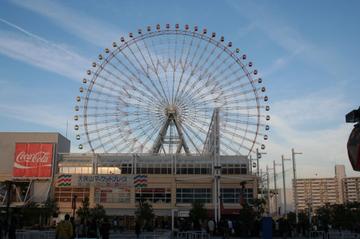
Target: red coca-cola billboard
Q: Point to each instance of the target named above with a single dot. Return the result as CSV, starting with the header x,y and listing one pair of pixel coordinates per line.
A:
x,y
33,160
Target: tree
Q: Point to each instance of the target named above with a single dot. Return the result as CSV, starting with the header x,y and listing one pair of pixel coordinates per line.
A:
x,y
259,207
50,209
84,211
198,213
145,215
324,215
98,212
247,217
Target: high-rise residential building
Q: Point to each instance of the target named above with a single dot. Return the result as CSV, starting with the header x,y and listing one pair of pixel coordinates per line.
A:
x,y
351,187
316,192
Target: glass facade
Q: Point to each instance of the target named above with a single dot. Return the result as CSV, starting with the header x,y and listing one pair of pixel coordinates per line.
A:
x,y
234,169
233,195
162,168
191,168
190,195
154,195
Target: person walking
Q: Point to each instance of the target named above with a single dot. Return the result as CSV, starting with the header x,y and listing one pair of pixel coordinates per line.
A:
x,y
211,226
12,229
1,229
105,229
137,228
64,229
92,231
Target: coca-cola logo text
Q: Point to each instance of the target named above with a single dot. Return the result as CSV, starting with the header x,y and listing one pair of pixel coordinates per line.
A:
x,y
39,157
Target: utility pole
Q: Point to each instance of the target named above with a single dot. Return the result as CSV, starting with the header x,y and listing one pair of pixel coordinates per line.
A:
x,y
250,166
283,172
258,156
293,153
275,188
268,190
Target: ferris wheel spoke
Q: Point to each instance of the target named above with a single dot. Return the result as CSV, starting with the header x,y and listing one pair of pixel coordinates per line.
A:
x,y
236,135
228,146
237,127
197,86
241,101
195,68
245,92
142,72
130,86
174,70
155,68
99,138
137,78
111,140
191,141
244,122
198,126
101,129
190,129
180,65
184,68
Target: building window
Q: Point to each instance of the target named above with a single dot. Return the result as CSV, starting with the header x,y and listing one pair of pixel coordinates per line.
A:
x,y
126,168
190,195
65,194
109,170
193,168
75,169
234,169
153,168
154,195
233,195
112,195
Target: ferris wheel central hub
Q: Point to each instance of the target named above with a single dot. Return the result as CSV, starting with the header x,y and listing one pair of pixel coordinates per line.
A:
x,y
171,110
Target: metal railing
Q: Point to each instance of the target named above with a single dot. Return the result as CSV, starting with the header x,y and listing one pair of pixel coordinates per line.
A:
x,y
192,235
334,235
35,234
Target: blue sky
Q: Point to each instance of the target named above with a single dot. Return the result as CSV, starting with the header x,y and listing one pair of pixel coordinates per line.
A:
x,y
306,51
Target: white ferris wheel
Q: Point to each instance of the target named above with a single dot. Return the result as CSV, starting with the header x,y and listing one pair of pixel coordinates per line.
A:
x,y
155,91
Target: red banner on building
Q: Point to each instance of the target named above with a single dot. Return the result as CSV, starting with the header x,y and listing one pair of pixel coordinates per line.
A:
x,y
33,160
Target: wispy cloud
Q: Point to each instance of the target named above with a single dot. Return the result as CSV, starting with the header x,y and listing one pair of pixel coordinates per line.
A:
x,y
49,116
281,32
322,148
81,25
312,108
43,55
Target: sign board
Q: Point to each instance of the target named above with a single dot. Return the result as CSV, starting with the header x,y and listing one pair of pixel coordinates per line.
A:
x,y
73,180
33,160
184,213
353,147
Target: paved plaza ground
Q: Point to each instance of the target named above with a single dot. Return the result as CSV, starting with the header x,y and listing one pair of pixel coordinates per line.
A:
x,y
168,235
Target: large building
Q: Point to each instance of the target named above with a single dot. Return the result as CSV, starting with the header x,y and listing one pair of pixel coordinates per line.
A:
x,y
40,166
316,192
28,161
